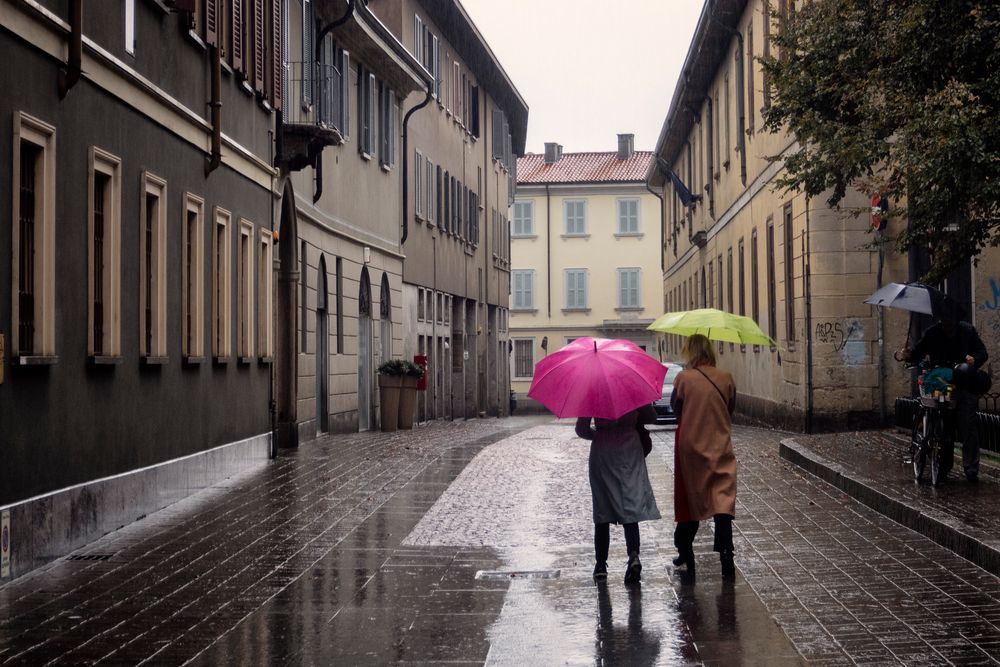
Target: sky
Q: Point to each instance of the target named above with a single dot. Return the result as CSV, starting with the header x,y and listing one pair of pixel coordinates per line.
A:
x,y
590,69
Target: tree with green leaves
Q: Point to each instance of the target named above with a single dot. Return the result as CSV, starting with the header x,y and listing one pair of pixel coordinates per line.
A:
x,y
900,97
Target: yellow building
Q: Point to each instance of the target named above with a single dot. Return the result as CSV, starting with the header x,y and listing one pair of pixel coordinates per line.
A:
x,y
585,259
800,269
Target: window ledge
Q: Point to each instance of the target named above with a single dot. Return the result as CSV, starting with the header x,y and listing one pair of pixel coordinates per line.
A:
x,y
227,69
221,361
575,236
576,310
36,360
524,236
629,309
193,361
162,6
367,157
633,235
385,168
265,105
526,311
104,360
245,361
154,361
195,39
265,361
246,87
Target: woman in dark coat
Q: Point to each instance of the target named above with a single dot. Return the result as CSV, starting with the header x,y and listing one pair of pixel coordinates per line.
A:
x,y
619,484
704,463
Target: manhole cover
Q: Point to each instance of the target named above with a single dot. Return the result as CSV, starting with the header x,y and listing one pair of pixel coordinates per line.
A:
x,y
517,574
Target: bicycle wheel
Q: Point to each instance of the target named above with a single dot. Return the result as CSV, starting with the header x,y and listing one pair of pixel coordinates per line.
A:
x,y
934,450
918,453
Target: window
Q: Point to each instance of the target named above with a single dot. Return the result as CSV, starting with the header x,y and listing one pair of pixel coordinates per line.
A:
x,y
576,216
33,238
244,292
340,305
388,109
418,39
308,52
524,218
718,130
719,283
524,290
429,191
104,255
727,114
628,288
772,306
366,112
130,27
194,278
221,310
524,357
420,304
265,291
628,216
709,284
743,275
766,46
750,80
418,188
576,289
754,286
153,268
345,94
789,274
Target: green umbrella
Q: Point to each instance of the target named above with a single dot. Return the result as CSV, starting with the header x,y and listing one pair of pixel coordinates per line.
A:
x,y
714,324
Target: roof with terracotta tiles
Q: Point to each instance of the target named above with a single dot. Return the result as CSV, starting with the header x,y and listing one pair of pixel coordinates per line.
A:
x,y
601,167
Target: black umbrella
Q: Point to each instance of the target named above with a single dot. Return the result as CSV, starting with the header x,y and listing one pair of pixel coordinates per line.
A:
x,y
915,297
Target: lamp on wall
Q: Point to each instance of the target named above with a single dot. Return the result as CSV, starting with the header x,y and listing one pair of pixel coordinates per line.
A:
x,y
545,343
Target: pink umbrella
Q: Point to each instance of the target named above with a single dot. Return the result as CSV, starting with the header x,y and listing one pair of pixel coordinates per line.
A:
x,y
597,377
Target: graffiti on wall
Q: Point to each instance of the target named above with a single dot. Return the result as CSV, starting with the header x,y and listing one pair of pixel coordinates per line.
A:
x,y
847,339
988,321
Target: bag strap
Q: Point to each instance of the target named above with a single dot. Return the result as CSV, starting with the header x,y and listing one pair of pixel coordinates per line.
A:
x,y
725,401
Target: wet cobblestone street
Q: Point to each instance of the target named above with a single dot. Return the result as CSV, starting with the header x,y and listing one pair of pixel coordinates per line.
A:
x,y
365,549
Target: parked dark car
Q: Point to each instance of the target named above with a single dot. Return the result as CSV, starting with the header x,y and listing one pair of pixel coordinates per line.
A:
x,y
664,413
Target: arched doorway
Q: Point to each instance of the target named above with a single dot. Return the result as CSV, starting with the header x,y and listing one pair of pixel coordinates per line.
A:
x,y
385,320
365,391
322,351
286,350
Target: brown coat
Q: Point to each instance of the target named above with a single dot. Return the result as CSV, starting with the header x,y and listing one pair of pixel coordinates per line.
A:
x,y
705,465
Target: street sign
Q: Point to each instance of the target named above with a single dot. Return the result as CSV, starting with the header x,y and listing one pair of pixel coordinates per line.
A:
x,y
5,544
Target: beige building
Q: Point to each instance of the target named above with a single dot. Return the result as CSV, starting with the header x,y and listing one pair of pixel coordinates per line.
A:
x,y
798,268
585,240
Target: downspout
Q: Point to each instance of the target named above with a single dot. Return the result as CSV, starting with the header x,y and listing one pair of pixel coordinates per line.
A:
x,y
69,76
215,105
428,96
272,405
548,251
663,247
807,273
741,121
321,33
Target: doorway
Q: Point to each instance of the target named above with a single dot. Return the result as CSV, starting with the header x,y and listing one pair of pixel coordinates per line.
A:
x,y
322,352
365,393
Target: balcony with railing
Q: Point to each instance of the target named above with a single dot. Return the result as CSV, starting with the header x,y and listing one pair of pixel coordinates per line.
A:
x,y
314,113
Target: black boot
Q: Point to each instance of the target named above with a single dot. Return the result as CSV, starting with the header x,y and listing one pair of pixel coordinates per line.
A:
x,y
728,567
601,572
633,571
685,557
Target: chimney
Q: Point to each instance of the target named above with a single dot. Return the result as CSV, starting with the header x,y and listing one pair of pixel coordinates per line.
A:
x,y
553,152
626,146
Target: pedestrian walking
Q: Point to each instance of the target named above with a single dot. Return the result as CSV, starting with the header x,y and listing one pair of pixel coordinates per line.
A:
x,y
704,463
619,484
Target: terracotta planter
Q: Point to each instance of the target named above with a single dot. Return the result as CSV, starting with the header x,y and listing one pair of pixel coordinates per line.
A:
x,y
407,401
388,389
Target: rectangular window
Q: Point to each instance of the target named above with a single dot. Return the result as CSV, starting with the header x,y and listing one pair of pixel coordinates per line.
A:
x,y
244,292
221,288
628,216
772,306
439,211
575,211
308,52
429,192
628,288
524,357
104,255
340,305
153,267
265,292
750,80
576,289
366,112
523,292
420,304
719,284
130,27
728,114
440,307
743,275
709,285
418,188
754,284
418,39
766,47
789,273
718,131
387,124
345,94
194,278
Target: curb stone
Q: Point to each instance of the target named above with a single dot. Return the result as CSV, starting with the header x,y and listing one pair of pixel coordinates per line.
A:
x,y
976,546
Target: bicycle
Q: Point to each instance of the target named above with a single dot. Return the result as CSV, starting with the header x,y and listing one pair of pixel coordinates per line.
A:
x,y
932,434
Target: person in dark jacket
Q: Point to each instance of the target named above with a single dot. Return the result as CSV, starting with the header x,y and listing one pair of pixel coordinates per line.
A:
x,y
619,485
948,343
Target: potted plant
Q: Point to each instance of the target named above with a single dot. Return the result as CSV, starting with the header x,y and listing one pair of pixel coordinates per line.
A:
x,y
408,393
390,380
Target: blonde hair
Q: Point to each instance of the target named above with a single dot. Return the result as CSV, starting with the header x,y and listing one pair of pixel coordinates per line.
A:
x,y
698,350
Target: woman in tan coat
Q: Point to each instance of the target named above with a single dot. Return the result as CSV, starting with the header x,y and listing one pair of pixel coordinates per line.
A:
x,y
704,463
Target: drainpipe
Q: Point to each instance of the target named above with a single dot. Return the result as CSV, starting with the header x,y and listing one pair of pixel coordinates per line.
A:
x,y
428,96
74,65
548,251
321,32
272,406
663,264
807,271
215,105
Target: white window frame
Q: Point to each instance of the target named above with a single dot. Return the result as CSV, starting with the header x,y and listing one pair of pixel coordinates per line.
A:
x,y
43,136
245,294
418,184
567,204
624,218
106,164
265,295
576,295
153,185
524,225
222,327
418,38
624,303
129,14
530,344
193,295
429,191
517,303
